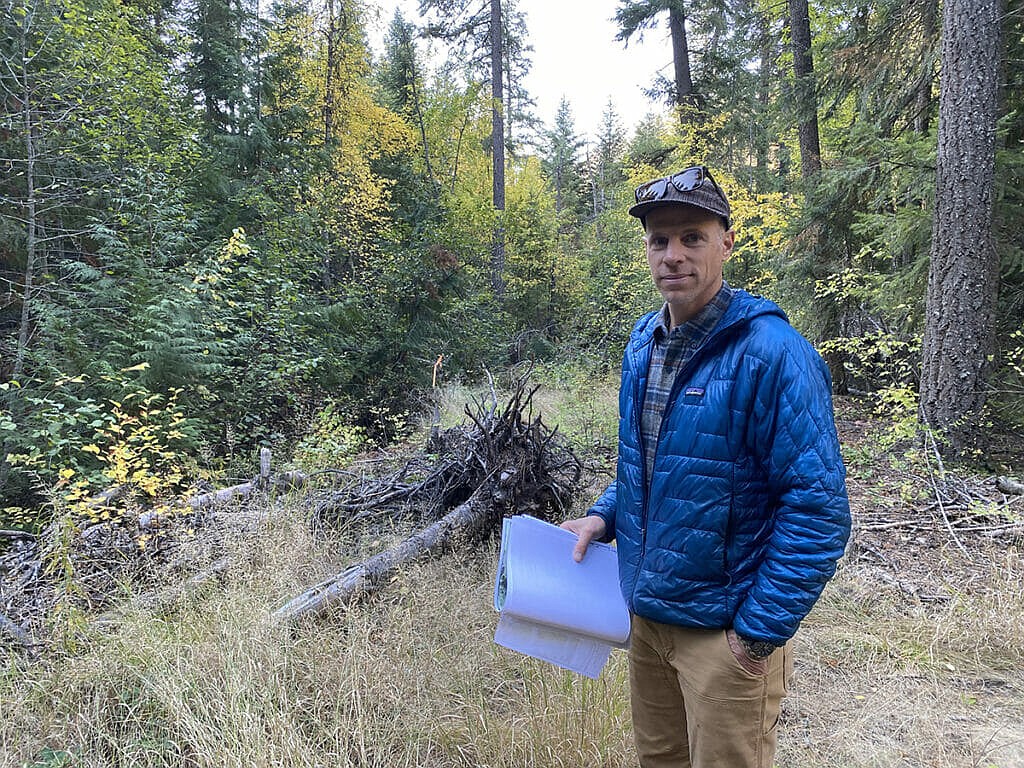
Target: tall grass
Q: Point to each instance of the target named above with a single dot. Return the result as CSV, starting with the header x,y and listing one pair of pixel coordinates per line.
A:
x,y
412,679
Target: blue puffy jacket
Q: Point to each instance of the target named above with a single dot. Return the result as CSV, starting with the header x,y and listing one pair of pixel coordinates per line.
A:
x,y
746,514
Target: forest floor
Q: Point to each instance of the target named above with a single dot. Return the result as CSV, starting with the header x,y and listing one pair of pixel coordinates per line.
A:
x,y
913,657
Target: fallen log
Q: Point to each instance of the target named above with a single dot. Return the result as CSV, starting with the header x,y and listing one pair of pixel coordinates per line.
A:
x,y
501,464
1010,486
472,519
13,534
285,481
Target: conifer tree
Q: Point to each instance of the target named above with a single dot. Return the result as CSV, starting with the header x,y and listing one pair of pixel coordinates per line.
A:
x,y
963,272
605,163
402,80
633,16
561,163
216,70
482,33
806,91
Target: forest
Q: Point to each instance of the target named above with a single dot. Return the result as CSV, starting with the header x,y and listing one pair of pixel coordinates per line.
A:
x,y
227,225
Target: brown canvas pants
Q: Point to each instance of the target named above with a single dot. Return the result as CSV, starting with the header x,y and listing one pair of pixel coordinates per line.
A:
x,y
694,706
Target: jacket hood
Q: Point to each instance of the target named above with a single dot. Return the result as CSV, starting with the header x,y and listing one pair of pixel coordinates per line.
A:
x,y
743,308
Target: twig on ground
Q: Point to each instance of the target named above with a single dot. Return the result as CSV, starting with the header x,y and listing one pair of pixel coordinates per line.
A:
x,y
6,534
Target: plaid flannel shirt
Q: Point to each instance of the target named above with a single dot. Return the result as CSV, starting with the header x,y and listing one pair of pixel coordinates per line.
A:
x,y
673,349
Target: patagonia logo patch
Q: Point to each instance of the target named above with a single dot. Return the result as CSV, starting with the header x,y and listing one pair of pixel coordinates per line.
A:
x,y
694,392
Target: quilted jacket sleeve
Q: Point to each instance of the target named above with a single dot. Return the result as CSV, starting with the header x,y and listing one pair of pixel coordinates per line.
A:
x,y
794,431
604,507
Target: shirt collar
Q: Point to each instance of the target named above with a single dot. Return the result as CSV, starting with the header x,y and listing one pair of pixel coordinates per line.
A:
x,y
706,318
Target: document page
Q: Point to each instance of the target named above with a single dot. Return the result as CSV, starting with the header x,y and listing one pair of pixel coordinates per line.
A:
x,y
566,613
577,653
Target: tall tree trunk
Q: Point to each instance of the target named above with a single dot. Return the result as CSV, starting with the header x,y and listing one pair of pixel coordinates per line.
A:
x,y
964,269
28,126
421,124
329,75
806,98
829,315
30,235
497,153
680,55
764,76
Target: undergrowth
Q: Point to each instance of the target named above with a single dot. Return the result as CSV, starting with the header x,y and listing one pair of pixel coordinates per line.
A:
x,y
412,677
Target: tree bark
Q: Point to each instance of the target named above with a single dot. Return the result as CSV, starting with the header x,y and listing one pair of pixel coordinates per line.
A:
x,y
806,93
497,153
964,268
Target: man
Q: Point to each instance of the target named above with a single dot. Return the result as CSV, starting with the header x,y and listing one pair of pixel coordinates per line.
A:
x,y
729,505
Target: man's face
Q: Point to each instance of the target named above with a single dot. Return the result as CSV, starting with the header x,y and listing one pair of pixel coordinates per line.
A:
x,y
686,247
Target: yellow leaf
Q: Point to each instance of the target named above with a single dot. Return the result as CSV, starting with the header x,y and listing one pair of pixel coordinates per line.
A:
x,y
91,449
139,367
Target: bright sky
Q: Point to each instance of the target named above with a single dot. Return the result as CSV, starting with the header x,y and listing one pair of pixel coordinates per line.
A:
x,y
577,56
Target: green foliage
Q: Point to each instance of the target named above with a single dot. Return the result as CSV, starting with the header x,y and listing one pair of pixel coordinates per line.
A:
x,y
898,407
77,444
240,214
560,158
55,758
1008,382
530,230
883,352
332,440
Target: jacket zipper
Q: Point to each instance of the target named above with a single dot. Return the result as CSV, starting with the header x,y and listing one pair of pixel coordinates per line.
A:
x,y
637,416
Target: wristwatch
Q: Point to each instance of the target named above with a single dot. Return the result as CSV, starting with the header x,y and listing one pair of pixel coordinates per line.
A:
x,y
756,649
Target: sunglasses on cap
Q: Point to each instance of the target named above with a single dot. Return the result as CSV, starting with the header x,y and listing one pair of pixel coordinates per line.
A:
x,y
684,181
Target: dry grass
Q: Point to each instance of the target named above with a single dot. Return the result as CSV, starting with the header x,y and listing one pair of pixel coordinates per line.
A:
x,y
410,680
882,681
414,679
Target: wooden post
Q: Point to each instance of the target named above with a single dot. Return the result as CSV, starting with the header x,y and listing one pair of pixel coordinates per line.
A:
x,y
264,481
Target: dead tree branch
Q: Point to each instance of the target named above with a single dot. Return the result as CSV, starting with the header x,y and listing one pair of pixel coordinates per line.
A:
x,y
503,462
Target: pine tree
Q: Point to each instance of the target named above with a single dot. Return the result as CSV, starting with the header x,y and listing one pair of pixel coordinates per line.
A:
x,y
633,16
605,164
484,34
806,91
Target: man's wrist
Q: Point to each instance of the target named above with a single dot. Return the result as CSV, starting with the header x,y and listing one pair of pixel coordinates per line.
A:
x,y
756,649
603,519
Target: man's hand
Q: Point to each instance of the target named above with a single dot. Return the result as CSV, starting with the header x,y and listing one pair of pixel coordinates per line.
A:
x,y
755,666
588,529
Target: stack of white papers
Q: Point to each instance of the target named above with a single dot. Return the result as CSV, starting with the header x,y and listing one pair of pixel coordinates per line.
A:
x,y
552,608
